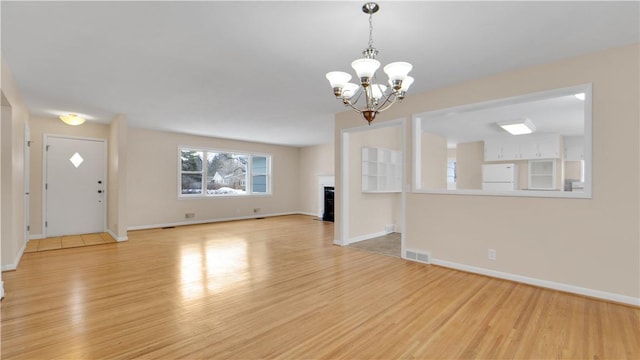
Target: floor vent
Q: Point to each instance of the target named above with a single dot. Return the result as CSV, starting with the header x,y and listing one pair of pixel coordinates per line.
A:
x,y
418,256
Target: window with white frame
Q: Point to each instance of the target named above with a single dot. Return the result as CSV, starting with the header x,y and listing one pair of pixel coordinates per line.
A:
x,y
205,172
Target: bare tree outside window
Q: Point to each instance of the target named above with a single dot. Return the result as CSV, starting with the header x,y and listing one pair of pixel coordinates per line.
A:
x,y
210,173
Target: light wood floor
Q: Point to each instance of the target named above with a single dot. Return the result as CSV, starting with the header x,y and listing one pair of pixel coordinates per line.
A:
x,y
278,288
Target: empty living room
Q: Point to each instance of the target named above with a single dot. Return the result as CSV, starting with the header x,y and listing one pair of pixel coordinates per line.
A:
x,y
320,180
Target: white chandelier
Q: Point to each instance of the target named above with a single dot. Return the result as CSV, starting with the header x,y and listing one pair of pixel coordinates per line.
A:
x,y
376,97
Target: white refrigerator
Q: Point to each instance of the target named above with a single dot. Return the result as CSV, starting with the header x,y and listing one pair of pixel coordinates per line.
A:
x,y
500,177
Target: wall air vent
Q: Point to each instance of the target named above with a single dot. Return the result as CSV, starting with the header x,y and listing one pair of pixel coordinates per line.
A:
x,y
423,257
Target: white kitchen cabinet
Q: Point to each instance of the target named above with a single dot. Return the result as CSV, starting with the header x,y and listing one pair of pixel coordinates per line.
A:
x,y
492,150
540,146
542,174
522,147
381,170
573,148
501,149
548,146
511,149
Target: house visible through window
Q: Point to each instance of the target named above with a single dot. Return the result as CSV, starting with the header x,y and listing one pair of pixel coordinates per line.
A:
x,y
210,173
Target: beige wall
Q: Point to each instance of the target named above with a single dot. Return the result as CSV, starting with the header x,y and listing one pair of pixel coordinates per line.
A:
x,y
433,161
152,181
12,229
53,126
469,160
585,243
370,212
315,161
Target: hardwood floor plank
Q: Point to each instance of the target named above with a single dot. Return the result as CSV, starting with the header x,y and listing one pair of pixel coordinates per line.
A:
x,y
72,241
278,288
49,244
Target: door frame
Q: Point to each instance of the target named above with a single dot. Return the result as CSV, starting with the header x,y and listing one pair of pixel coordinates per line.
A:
x,y
344,177
45,160
27,182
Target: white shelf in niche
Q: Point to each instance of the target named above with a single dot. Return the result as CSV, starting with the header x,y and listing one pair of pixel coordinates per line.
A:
x,y
542,174
381,170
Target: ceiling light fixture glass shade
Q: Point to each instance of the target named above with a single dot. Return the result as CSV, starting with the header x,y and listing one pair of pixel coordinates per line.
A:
x,y
370,97
349,90
72,119
518,127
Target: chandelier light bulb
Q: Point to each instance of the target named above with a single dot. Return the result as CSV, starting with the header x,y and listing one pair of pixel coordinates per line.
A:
x,y
349,90
406,83
397,70
338,79
365,68
377,91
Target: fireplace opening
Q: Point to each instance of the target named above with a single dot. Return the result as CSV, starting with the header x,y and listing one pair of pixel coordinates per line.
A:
x,y
327,215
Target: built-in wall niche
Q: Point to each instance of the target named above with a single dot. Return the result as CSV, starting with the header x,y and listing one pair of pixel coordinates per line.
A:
x,y
381,170
551,152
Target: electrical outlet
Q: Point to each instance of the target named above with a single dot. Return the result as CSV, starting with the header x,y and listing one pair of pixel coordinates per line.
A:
x,y
491,254
189,215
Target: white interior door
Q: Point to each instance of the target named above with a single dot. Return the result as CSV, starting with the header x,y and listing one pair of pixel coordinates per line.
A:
x,y
75,186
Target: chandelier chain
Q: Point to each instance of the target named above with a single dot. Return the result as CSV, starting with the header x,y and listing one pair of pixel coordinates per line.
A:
x,y
370,29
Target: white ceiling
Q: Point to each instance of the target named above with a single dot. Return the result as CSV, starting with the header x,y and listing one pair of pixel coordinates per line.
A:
x,y
255,70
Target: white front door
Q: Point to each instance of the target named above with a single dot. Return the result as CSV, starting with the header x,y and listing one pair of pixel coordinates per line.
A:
x,y
75,186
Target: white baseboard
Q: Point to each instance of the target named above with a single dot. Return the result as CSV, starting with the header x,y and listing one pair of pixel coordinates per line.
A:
x,y
337,242
16,261
309,214
182,223
1,290
118,239
541,283
36,236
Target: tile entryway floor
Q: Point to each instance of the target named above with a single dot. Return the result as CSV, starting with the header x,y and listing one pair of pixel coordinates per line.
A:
x,y
387,245
63,242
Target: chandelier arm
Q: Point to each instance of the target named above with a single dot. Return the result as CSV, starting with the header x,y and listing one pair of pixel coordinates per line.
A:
x,y
348,103
359,95
388,101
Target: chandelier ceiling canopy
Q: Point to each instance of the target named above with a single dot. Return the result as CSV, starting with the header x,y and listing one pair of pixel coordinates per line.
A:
x,y
370,97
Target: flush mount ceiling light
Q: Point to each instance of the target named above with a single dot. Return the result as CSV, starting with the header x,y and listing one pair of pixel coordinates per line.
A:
x,y
518,127
72,119
375,97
